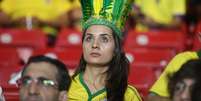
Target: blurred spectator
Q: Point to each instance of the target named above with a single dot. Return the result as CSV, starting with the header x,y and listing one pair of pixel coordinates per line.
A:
x,y
44,79
193,14
49,15
165,14
74,17
182,82
159,91
4,18
53,12
194,8
35,9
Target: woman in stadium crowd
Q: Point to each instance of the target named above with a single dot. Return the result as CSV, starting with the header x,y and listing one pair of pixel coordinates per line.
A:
x,y
102,73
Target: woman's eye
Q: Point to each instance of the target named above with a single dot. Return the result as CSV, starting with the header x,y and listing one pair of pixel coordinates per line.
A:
x,y
104,39
88,38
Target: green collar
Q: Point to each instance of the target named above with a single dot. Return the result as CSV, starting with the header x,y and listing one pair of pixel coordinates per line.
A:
x,y
90,95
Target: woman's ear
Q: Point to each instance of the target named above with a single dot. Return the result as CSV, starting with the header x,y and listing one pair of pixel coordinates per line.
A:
x,y
63,96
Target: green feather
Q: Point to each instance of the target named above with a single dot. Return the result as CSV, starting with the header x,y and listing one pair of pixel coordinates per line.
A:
x,y
112,14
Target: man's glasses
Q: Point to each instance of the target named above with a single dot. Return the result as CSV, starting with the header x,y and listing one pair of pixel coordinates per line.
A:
x,y
41,82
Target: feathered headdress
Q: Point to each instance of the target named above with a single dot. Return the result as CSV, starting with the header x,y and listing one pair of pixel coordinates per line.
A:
x,y
112,13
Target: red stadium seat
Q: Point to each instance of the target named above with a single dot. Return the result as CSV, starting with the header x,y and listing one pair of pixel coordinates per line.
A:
x,y
142,78
7,73
149,57
9,57
197,42
22,38
69,56
69,38
9,67
146,65
156,39
11,93
198,28
10,89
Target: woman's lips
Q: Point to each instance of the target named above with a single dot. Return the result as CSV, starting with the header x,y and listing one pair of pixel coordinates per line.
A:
x,y
95,54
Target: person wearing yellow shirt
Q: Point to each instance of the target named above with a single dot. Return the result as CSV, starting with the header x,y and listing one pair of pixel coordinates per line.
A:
x,y
79,85
166,14
49,15
102,74
159,91
35,8
182,82
45,11
5,20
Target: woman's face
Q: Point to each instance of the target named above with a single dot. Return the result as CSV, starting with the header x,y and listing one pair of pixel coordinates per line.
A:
x,y
182,90
98,45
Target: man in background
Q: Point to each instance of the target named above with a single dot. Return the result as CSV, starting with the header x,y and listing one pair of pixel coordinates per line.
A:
x,y
44,79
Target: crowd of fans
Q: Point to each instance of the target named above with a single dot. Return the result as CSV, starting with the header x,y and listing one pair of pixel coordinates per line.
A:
x,y
51,16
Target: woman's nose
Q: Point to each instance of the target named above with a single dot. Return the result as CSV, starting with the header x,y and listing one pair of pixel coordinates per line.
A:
x,y
95,43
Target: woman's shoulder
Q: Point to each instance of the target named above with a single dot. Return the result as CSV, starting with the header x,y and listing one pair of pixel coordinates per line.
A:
x,y
76,83
132,94
76,90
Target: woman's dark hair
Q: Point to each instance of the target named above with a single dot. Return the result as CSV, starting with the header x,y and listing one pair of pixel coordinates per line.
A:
x,y
63,77
189,70
117,73
196,91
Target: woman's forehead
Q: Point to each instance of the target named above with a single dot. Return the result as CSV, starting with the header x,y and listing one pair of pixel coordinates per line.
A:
x,y
99,29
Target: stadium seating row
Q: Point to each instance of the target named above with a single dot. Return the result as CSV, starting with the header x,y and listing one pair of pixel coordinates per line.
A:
x,y
148,53
72,38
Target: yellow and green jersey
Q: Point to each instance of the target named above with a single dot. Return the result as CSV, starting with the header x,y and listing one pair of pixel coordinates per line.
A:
x,y
160,87
80,92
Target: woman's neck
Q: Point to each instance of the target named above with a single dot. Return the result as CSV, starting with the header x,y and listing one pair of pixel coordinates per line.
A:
x,y
95,77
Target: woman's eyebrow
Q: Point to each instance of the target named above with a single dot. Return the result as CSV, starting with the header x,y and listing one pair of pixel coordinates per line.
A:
x,y
106,35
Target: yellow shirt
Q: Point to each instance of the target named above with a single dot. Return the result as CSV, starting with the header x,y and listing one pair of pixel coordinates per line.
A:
x,y
80,92
160,87
161,11
45,10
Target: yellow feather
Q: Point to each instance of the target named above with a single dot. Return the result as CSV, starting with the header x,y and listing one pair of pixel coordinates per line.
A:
x,y
97,4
